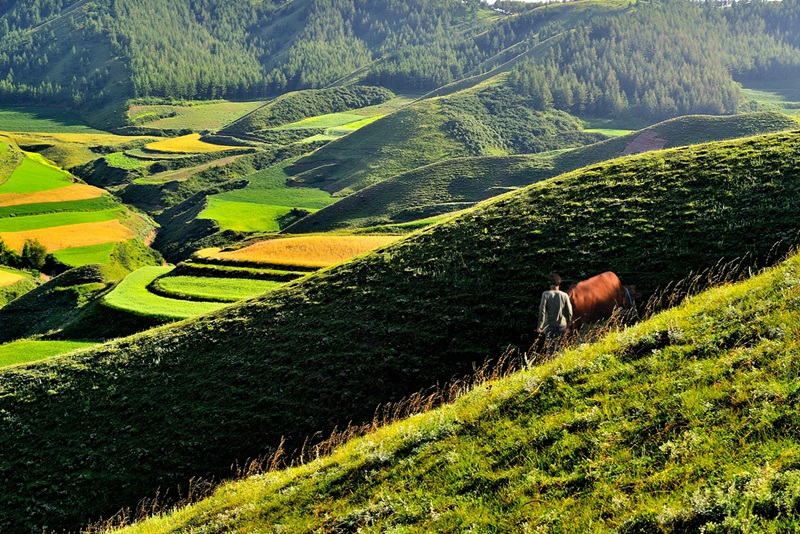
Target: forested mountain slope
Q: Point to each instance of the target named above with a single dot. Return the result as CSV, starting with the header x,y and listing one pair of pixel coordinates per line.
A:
x,y
652,59
83,435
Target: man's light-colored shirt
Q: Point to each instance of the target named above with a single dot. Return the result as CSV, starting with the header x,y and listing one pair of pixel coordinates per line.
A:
x,y
555,309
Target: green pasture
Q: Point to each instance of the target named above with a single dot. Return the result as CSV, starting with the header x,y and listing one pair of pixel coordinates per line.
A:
x,y
31,176
782,94
41,120
49,220
132,295
26,351
213,289
330,120
76,256
123,161
266,198
90,204
195,116
244,216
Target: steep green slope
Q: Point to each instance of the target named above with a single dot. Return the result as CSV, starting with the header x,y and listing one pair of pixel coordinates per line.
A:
x,y
83,435
685,423
459,183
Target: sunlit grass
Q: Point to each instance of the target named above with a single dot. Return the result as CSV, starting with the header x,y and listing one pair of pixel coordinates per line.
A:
x,y
27,351
132,295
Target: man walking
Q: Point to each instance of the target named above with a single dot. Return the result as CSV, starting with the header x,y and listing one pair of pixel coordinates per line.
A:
x,y
555,314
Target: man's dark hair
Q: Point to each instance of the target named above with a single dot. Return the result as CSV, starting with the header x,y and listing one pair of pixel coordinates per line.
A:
x,y
554,279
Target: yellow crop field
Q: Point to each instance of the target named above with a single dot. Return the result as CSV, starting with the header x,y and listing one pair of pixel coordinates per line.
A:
x,y
72,235
7,278
187,144
305,251
62,194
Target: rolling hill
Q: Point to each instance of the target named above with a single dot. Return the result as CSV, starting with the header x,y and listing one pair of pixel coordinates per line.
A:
x,y
83,435
459,183
683,423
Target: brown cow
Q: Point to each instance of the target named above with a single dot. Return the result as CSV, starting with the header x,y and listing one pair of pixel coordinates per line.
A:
x,y
596,299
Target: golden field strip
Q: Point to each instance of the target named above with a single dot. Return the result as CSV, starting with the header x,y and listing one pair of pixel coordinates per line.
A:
x,y
305,251
62,194
187,144
72,235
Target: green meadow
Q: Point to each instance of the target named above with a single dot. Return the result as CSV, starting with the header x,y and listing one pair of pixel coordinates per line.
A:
x,y
259,206
49,220
32,175
195,116
212,289
76,256
132,296
44,120
26,351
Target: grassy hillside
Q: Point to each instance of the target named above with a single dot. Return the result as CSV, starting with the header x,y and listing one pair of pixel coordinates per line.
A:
x,y
436,130
459,183
684,423
192,398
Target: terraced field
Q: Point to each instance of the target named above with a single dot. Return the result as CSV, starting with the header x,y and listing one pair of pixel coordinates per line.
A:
x,y
302,252
40,201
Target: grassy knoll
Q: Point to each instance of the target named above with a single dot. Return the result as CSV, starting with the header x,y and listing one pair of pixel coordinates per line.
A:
x,y
132,296
66,306
26,351
192,398
684,423
211,289
453,185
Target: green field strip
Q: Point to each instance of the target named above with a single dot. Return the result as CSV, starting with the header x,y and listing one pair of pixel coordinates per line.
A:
x,y
218,270
32,176
77,256
26,351
211,289
245,216
51,220
330,120
131,295
90,204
